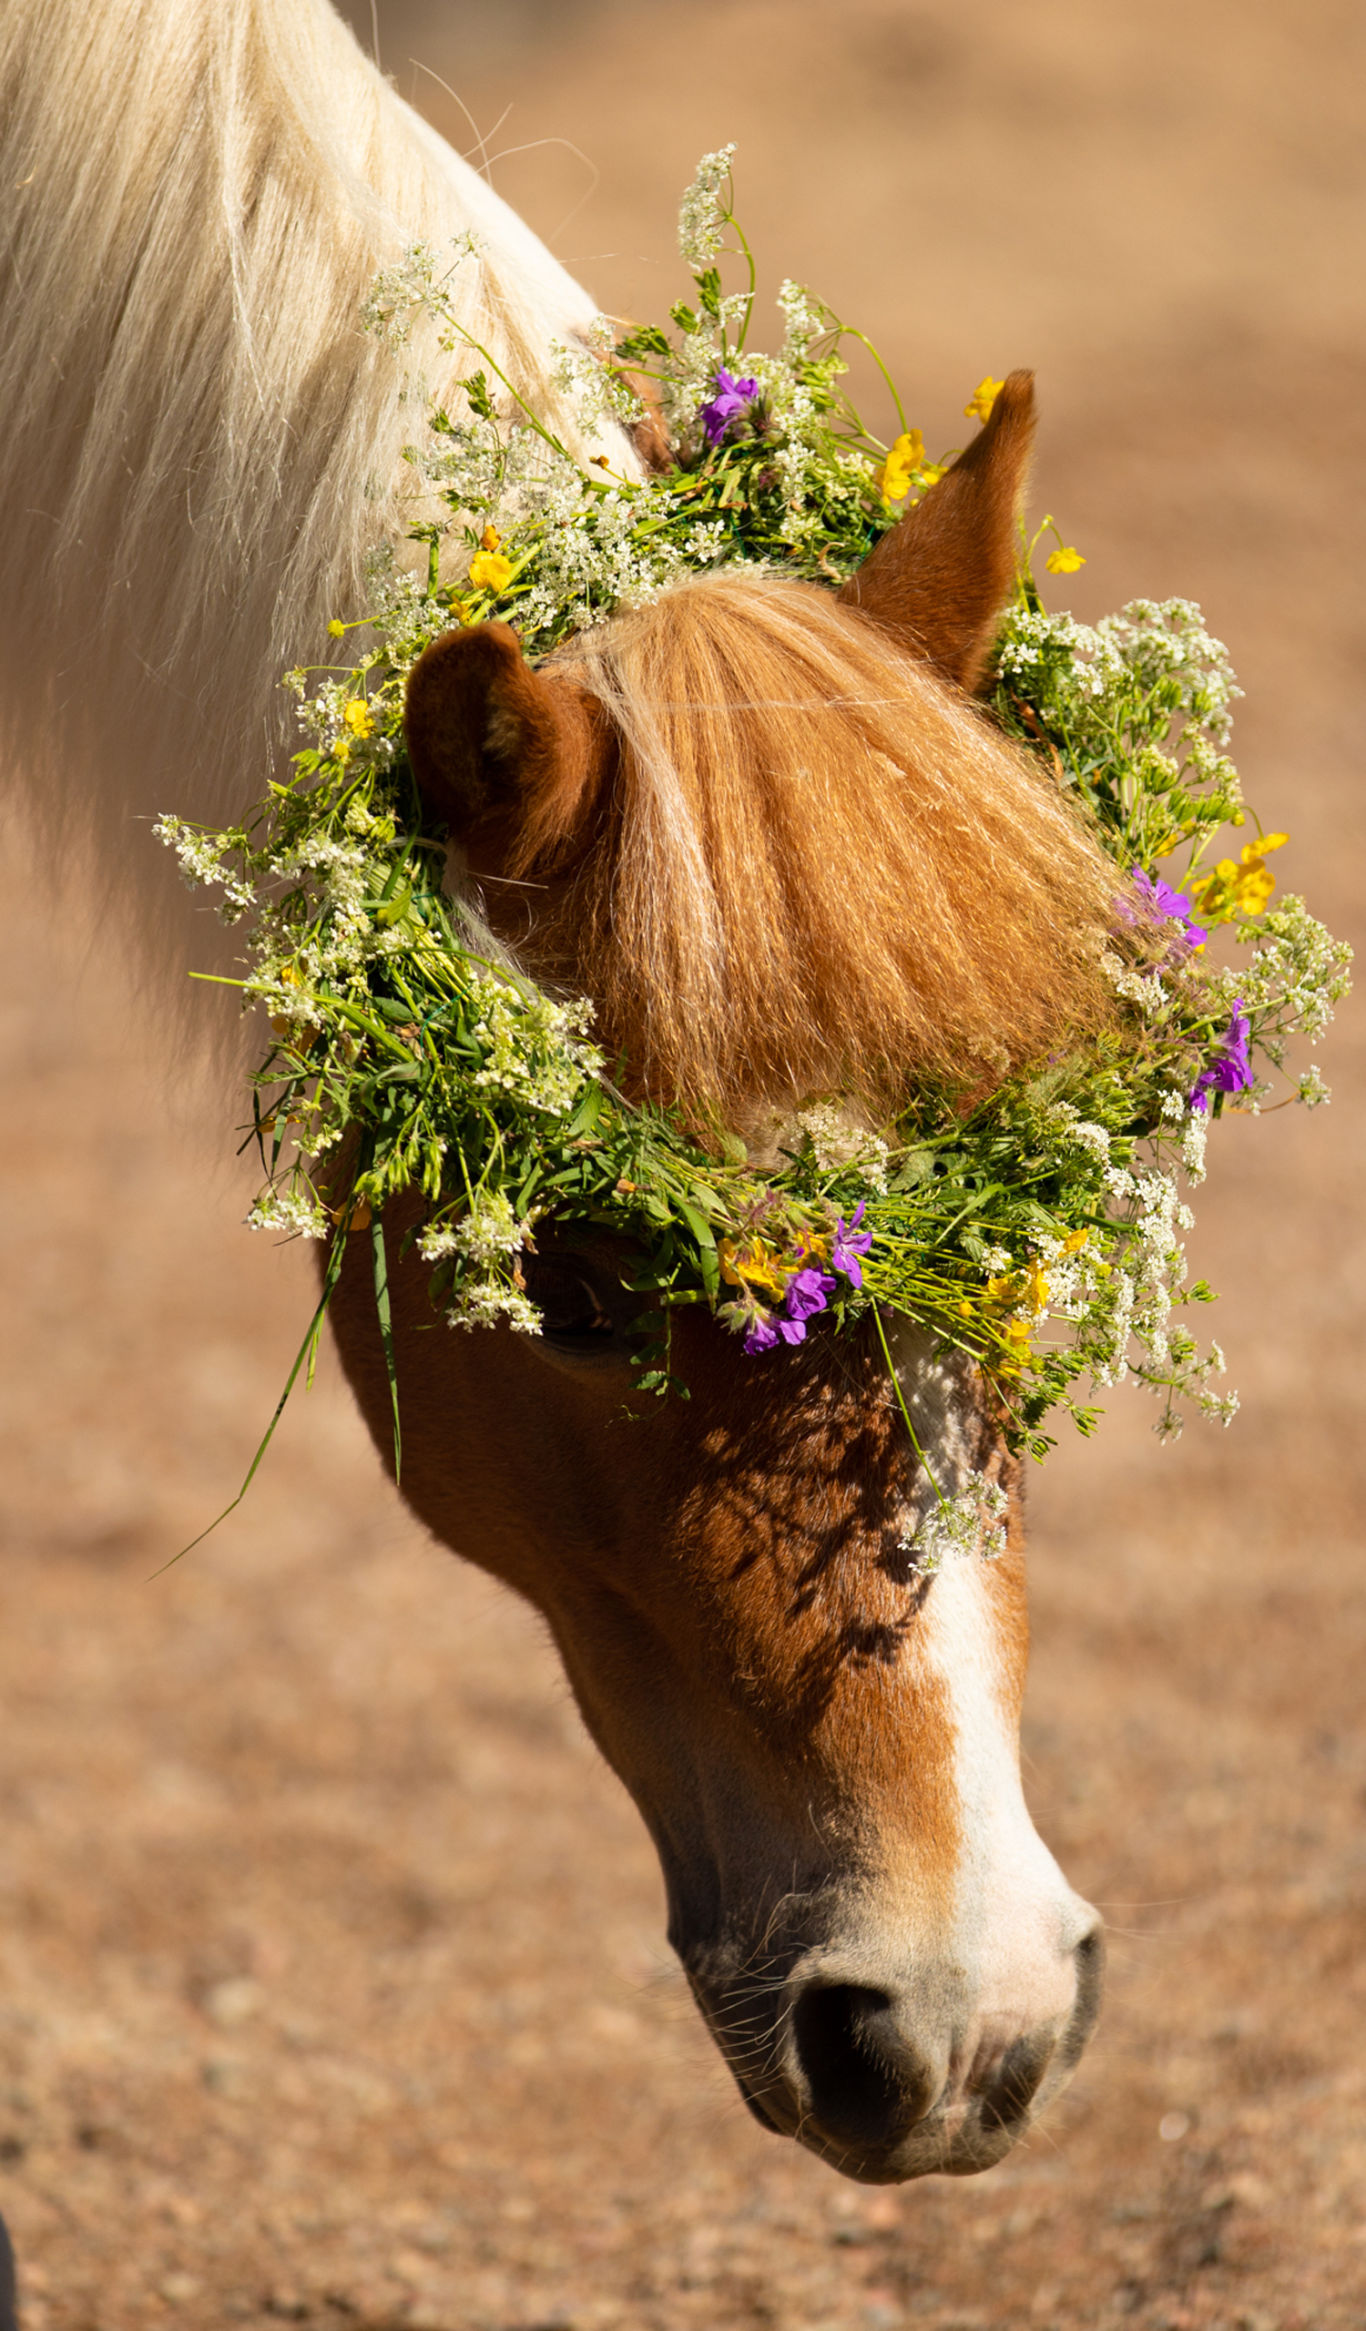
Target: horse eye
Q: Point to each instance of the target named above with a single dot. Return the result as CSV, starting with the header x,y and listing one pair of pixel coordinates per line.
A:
x,y
570,1309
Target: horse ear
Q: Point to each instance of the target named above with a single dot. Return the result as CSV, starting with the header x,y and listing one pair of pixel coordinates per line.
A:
x,y
940,577
496,745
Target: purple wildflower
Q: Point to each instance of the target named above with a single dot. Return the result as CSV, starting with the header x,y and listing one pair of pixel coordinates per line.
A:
x,y
809,1290
1173,904
730,401
807,1294
1230,1071
770,1328
849,1243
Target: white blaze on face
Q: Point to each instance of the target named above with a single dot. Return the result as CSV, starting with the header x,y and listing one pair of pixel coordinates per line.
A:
x,y
1016,1920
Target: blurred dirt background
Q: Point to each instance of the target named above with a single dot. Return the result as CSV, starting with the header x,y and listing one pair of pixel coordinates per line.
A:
x,y
332,1981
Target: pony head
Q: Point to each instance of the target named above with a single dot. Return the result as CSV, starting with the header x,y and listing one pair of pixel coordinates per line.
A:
x,y
766,829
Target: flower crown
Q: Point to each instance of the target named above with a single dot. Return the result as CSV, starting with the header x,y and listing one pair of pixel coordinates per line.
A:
x,y
1038,1231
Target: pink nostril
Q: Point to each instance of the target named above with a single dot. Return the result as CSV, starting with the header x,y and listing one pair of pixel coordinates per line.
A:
x,y
867,2082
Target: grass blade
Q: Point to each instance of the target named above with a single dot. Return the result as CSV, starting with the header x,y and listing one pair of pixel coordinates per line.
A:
x,y
309,1345
386,1332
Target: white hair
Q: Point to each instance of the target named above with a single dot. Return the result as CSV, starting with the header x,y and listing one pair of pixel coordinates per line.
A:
x,y
198,442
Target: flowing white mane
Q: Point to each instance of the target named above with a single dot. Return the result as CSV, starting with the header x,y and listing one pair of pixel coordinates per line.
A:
x,y
199,443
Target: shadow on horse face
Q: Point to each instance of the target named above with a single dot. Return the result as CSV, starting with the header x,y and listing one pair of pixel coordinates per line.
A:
x,y
821,1741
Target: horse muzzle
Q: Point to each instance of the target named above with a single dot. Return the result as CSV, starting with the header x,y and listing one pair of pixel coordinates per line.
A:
x,y
890,2076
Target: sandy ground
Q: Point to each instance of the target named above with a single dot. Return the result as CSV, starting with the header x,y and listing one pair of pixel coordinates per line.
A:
x,y
332,1981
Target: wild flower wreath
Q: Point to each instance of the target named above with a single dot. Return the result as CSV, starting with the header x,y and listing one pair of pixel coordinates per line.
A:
x,y
1039,1231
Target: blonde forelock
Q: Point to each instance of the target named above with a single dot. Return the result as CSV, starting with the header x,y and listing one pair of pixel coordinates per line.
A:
x,y
824,869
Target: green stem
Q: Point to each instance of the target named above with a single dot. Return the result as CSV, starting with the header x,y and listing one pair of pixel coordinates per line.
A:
x,y
748,257
334,1266
852,332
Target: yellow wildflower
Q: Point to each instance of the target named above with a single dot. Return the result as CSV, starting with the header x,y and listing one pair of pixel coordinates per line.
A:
x,y
490,538
983,397
280,1026
1075,1241
1254,891
336,628
903,461
755,1264
489,570
359,718
1239,886
1020,1287
1065,560
1034,1289
1211,895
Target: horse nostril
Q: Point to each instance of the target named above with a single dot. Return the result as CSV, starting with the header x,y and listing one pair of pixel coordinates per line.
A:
x,y
1090,1962
1005,2104
1012,2092
867,2084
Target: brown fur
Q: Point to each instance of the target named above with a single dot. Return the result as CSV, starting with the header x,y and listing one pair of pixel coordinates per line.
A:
x,y
918,585
725,1582
722,1575
499,752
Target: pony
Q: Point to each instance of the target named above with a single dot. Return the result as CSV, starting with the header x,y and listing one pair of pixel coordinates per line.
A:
x,y
770,833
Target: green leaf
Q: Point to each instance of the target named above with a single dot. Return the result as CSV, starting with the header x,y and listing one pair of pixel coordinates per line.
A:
x,y
706,1244
645,340
476,389
587,1113
708,281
